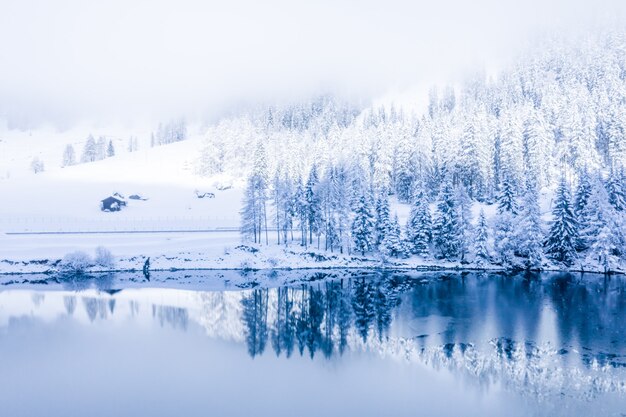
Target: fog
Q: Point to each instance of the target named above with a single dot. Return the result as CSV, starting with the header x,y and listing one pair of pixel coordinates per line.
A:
x,y
67,60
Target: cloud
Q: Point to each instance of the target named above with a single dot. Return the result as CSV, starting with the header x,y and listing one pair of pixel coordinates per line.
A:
x,y
72,59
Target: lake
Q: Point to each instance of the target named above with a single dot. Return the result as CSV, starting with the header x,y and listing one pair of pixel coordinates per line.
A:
x,y
313,343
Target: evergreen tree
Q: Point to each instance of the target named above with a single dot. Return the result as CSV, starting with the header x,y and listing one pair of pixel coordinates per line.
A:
x,y
563,236
392,244
614,188
504,238
90,151
382,220
446,228
69,156
254,213
607,243
481,252
583,191
419,225
528,233
600,231
363,226
110,149
313,205
507,197
101,148
464,223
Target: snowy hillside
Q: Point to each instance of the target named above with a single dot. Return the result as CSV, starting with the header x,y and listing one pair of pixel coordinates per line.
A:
x,y
68,198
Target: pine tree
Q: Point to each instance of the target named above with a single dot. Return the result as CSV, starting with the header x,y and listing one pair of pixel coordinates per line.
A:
x,y
583,191
445,228
101,148
507,197
600,231
528,233
464,212
110,150
614,188
563,236
481,252
392,244
604,248
419,225
363,226
254,213
90,151
69,156
504,238
313,205
382,220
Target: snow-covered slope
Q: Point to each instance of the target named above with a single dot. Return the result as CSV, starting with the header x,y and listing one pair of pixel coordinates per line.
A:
x,y
68,198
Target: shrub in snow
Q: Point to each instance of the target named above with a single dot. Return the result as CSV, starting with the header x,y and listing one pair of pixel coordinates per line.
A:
x,y
104,257
77,262
272,262
37,165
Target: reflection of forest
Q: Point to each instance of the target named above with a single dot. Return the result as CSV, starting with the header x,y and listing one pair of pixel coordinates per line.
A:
x,y
316,317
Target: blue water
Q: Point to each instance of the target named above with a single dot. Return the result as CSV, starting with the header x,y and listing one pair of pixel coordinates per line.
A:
x,y
314,344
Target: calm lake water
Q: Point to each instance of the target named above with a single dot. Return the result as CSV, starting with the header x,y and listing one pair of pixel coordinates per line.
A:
x,y
314,344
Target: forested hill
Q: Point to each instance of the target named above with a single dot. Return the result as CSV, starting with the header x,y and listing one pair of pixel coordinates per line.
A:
x,y
555,120
560,107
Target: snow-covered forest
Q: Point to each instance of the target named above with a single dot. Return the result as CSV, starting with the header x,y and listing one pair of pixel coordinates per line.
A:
x,y
551,126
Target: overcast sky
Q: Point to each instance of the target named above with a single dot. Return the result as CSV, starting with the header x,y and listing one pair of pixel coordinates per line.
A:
x,y
72,59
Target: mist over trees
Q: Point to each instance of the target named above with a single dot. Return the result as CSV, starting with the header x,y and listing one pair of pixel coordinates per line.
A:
x,y
545,123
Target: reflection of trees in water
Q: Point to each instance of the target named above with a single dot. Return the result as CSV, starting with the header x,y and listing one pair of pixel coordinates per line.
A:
x,y
255,316
319,316
323,315
95,307
70,304
176,317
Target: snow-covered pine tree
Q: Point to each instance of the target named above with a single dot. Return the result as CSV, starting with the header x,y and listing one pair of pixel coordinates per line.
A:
x,y
254,213
110,149
600,218
403,170
528,234
313,204
600,230
445,224
287,208
342,201
250,226
101,148
504,225
481,251
562,239
507,198
363,226
471,158
392,243
382,220
464,223
90,152
583,191
277,196
419,224
606,245
69,156
614,188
